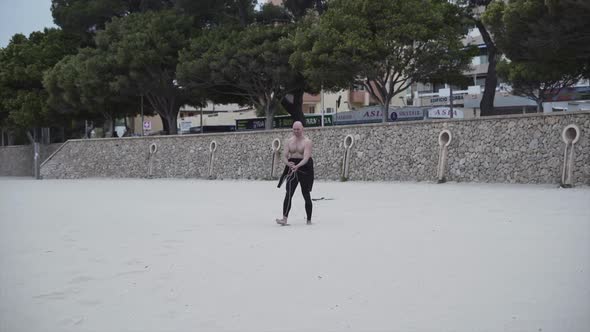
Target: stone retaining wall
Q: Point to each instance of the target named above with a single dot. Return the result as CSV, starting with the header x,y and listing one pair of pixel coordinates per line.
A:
x,y
17,160
512,149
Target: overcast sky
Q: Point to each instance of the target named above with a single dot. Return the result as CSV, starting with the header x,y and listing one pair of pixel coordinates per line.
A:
x,y
23,16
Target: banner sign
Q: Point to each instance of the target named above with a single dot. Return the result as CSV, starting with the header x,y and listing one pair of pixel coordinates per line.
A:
x,y
285,121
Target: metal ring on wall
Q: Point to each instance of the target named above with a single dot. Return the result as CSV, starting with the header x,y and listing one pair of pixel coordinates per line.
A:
x,y
348,141
153,148
571,134
212,148
445,137
276,144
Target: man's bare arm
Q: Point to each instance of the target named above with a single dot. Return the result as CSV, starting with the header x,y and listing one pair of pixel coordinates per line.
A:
x,y
286,153
306,153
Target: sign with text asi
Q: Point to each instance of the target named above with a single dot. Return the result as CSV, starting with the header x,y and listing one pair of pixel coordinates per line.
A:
x,y
282,122
444,113
374,114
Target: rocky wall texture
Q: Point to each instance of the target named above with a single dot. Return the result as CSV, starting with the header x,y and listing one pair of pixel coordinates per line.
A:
x,y
17,160
514,149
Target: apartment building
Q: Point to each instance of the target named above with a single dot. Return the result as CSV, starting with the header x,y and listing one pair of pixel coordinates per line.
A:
x,y
468,98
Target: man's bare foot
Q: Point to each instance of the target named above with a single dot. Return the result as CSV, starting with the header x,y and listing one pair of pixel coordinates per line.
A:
x,y
282,221
309,222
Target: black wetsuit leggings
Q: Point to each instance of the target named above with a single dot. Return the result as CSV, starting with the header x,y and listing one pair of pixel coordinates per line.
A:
x,y
291,185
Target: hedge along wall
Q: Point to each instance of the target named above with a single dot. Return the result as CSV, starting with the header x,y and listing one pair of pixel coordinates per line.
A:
x,y
511,149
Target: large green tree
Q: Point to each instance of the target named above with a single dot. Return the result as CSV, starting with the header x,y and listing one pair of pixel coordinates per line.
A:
x,y
81,85
144,49
547,44
536,81
281,19
252,63
475,9
23,99
86,17
295,13
385,45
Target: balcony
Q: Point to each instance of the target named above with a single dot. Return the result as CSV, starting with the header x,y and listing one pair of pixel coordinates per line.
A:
x,y
311,99
477,69
357,97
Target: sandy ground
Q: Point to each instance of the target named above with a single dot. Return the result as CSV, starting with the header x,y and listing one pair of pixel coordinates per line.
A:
x,y
192,255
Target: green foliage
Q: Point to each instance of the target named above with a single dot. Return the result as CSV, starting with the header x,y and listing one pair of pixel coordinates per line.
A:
x,y
556,32
270,14
85,17
252,63
547,44
143,49
23,100
81,86
384,45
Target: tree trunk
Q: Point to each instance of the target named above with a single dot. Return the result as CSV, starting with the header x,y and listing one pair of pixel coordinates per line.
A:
x,y
451,101
487,100
385,110
243,12
127,129
172,126
167,108
295,106
539,105
30,136
108,127
10,137
268,112
164,124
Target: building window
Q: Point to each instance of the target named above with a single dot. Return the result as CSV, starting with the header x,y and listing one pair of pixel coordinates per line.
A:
x,y
481,81
424,88
330,110
358,87
480,60
438,86
311,109
459,87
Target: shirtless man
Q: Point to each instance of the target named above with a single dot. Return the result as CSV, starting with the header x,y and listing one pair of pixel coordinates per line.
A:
x,y
298,169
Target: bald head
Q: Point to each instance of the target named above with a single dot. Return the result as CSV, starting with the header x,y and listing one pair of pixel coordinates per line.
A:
x,y
297,128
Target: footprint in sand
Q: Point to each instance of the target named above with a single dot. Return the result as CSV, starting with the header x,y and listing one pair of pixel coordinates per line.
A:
x,y
81,279
59,295
89,303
